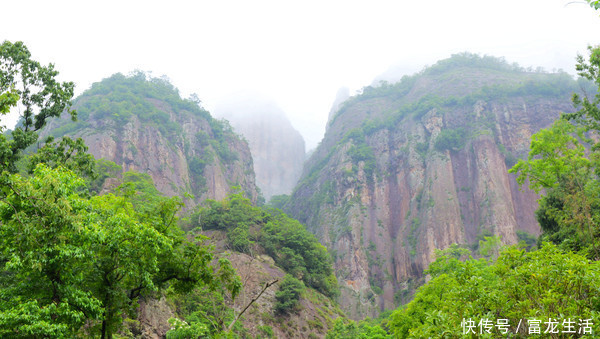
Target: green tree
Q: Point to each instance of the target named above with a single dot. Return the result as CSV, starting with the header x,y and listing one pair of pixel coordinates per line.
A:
x,y
292,247
67,152
45,255
565,161
451,139
76,266
349,329
288,295
544,284
26,82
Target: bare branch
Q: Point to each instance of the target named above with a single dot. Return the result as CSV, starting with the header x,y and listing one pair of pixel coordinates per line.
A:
x,y
267,285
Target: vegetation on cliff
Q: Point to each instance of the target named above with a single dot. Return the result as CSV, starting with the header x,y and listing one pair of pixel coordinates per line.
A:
x,y
408,167
77,256
119,98
127,116
565,161
550,289
294,249
514,289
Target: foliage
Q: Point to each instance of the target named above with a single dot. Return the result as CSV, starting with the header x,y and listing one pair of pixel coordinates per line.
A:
x,y
153,101
182,330
349,329
267,330
45,256
119,97
509,158
527,240
595,4
360,151
279,201
104,169
565,161
451,139
69,153
505,81
294,248
288,295
543,284
298,252
222,131
26,82
203,309
73,264
554,155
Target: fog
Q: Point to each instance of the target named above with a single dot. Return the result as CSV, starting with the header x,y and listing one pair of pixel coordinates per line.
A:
x,y
299,54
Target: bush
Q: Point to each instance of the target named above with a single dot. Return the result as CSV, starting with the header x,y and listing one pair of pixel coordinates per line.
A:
x,y
451,139
291,245
288,295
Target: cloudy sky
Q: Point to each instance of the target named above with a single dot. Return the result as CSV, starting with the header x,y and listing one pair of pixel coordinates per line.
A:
x,y
296,52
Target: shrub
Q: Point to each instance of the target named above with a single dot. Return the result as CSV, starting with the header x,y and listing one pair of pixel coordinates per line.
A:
x,y
451,139
288,295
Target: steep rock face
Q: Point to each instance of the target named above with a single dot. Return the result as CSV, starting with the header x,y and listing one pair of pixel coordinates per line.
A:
x,y
277,148
408,168
143,125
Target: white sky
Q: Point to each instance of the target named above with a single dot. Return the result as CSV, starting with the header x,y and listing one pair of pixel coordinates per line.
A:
x,y
298,53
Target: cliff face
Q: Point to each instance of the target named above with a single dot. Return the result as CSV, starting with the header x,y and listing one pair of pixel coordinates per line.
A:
x,y
408,168
277,148
143,125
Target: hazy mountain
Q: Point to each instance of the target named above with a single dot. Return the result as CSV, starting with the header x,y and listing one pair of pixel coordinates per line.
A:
x,y
409,167
277,148
342,95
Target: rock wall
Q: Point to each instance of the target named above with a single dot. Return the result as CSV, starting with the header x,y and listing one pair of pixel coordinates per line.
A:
x,y
384,198
197,155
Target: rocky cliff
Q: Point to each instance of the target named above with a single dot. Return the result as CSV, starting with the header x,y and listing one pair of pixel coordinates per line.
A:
x,y
277,147
142,124
415,166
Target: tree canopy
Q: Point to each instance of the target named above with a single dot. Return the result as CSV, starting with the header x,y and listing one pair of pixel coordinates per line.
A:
x,y
564,160
26,84
293,247
76,265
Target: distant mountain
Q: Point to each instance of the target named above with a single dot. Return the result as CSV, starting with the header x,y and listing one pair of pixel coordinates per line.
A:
x,y
143,124
342,95
409,167
277,147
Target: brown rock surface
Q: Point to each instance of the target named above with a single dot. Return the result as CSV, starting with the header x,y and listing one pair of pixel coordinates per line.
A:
x,y
162,149
384,214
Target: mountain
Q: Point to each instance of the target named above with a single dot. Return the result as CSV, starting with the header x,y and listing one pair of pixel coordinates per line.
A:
x,y
277,147
142,124
417,165
342,95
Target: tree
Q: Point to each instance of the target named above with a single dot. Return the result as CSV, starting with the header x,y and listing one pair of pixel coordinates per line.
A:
x,y
288,295
564,160
68,153
45,254
348,329
286,240
544,284
75,266
26,82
